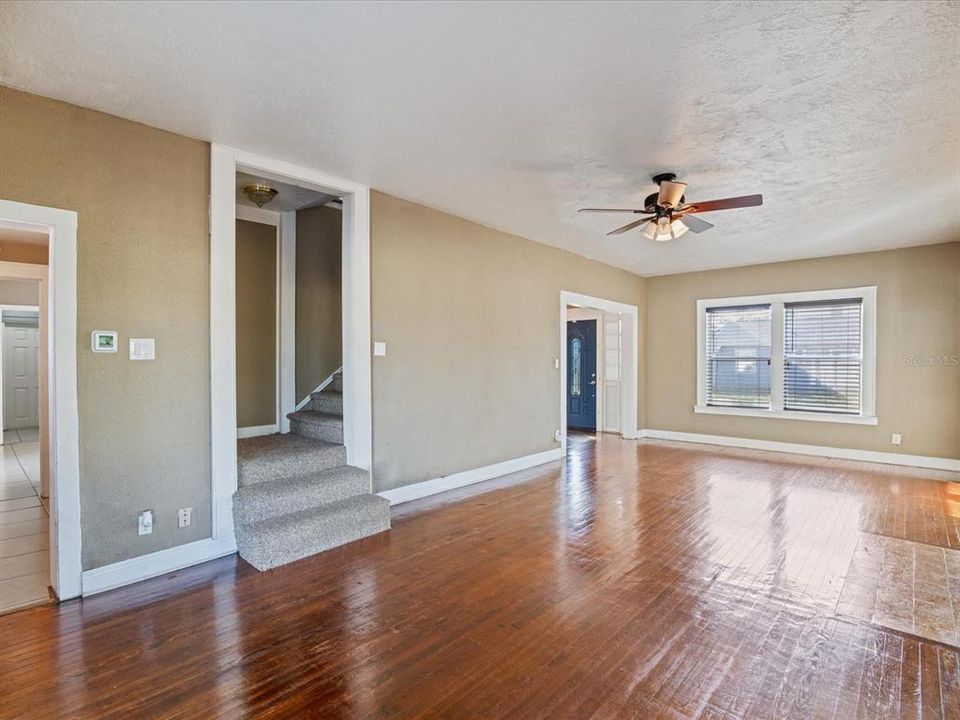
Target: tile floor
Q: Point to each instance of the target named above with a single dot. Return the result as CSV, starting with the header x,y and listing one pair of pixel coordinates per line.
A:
x,y
24,533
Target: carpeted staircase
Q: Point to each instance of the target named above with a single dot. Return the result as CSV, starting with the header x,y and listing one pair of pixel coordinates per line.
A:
x,y
296,495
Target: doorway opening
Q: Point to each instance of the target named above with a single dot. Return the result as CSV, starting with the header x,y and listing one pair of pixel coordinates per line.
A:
x,y
39,459
288,303
353,385
598,363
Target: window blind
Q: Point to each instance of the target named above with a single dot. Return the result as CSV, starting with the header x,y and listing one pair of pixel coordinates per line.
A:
x,y
738,356
822,356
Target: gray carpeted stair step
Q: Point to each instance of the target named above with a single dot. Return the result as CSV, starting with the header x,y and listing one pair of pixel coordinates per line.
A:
x,y
320,426
274,457
327,401
253,503
280,540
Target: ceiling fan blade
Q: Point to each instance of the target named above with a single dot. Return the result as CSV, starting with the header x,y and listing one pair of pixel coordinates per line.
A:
x,y
630,210
695,224
670,193
629,226
724,204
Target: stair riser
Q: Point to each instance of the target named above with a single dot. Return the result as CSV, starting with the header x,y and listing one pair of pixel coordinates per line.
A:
x,y
259,470
269,550
327,403
317,431
248,508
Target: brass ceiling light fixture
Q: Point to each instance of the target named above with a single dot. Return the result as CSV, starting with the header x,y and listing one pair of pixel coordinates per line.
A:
x,y
259,193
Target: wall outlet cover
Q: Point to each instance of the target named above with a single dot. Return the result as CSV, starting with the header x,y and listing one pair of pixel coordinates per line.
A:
x,y
380,349
184,517
145,522
895,439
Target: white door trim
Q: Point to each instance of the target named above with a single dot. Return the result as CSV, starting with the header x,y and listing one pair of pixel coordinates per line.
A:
x,y
357,392
629,359
59,299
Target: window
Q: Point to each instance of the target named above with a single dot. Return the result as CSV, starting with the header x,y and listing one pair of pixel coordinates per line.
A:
x,y
807,356
821,356
738,356
575,367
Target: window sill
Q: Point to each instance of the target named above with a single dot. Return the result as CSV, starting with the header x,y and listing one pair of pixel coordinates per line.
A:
x,y
787,415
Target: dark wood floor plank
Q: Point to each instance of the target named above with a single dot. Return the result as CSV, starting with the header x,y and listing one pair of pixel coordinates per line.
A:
x,y
649,580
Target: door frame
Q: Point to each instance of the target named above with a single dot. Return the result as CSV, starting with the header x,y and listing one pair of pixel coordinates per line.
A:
x,y
357,387
283,374
58,301
629,359
3,419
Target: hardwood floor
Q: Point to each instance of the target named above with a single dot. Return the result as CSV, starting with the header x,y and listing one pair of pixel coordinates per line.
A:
x,y
639,581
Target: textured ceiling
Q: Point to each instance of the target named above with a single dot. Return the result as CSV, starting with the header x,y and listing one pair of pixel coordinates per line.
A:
x,y
846,116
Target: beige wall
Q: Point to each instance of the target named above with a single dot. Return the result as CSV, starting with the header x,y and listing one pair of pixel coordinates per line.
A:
x,y
143,270
19,292
318,307
23,253
471,318
256,324
918,314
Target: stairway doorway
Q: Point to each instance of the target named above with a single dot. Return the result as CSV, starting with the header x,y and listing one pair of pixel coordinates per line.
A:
x,y
227,165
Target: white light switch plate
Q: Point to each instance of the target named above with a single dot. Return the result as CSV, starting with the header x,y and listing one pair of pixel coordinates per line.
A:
x,y
143,349
380,349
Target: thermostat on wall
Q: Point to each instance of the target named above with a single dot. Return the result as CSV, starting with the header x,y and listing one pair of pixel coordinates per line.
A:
x,y
103,341
142,349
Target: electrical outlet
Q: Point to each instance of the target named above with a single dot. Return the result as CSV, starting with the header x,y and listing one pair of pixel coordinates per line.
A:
x,y
184,517
145,522
895,438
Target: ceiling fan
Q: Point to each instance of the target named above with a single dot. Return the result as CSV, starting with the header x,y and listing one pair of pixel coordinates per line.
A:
x,y
667,214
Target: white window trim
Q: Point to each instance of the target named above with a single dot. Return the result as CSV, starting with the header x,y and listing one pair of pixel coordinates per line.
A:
x,y
776,301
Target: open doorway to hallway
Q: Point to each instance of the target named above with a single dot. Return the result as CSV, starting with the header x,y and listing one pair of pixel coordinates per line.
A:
x,y
599,366
24,483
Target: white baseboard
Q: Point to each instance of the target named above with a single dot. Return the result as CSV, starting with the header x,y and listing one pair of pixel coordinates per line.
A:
x,y
157,563
921,461
468,477
256,431
303,403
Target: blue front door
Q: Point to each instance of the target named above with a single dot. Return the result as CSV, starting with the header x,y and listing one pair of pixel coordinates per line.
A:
x,y
582,374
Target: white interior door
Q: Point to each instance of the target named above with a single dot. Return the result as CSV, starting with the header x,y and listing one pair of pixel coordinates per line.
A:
x,y
21,377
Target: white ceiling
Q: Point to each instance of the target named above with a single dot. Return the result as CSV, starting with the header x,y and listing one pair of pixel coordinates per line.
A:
x,y
846,116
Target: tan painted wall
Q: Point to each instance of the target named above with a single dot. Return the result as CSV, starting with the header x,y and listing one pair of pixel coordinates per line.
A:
x,y
471,318
256,324
19,292
143,270
23,253
918,314
318,303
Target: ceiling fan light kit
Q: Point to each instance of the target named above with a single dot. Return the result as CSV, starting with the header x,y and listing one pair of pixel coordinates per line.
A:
x,y
668,215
